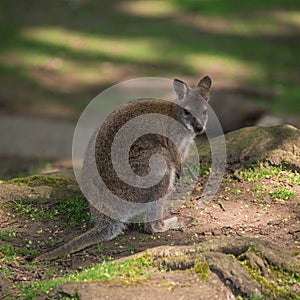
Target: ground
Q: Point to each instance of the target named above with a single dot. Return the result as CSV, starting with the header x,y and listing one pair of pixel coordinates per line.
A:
x,y
265,204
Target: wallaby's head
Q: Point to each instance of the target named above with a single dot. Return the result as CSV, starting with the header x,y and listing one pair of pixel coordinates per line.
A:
x,y
194,104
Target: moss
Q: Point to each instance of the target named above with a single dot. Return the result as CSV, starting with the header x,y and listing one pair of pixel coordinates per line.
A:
x,y
277,144
176,262
43,180
271,287
126,271
202,269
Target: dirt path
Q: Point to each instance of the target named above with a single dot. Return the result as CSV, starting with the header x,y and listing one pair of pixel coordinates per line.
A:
x,y
28,137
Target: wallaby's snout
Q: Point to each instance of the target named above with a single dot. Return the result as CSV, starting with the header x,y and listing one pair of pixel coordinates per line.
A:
x,y
199,129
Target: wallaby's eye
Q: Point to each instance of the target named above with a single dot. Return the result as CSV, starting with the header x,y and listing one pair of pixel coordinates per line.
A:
x,y
205,111
187,112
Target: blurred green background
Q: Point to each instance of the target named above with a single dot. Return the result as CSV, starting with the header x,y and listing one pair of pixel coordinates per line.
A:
x,y
57,55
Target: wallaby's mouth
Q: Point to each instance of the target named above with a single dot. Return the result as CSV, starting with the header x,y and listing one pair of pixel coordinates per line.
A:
x,y
198,129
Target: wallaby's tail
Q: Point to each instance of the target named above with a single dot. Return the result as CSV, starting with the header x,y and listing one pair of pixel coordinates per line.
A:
x,y
89,238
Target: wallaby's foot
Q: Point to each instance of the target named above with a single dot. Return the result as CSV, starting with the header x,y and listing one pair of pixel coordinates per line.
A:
x,y
183,222
167,224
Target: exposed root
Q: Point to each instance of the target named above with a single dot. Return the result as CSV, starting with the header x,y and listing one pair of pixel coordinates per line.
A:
x,y
224,256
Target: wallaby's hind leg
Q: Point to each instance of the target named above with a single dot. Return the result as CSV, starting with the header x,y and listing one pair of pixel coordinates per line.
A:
x,y
89,238
167,224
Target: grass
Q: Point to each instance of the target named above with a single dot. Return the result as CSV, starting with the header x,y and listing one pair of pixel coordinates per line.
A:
x,y
259,192
277,182
6,273
61,56
257,172
282,194
11,253
72,211
11,169
7,234
237,191
100,247
127,271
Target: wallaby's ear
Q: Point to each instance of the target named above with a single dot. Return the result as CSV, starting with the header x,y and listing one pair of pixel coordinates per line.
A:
x,y
180,88
204,87
205,83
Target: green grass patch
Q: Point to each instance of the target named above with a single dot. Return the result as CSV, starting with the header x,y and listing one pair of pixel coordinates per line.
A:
x,y
257,172
6,273
72,211
127,271
204,170
7,234
11,253
282,194
221,7
237,191
191,171
7,250
10,169
259,191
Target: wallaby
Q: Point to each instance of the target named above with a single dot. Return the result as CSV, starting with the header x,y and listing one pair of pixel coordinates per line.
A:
x,y
191,113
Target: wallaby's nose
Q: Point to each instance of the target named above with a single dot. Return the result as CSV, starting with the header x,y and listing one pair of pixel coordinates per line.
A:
x,y
198,128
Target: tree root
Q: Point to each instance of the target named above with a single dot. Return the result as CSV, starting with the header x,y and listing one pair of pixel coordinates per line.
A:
x,y
224,257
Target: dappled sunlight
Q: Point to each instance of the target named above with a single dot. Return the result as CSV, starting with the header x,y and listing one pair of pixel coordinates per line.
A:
x,y
288,17
66,54
257,22
257,25
79,61
148,8
225,68
25,59
63,74
84,60
92,46
78,76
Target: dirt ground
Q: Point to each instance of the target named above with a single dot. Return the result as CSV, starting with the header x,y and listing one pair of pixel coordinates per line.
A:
x,y
235,211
